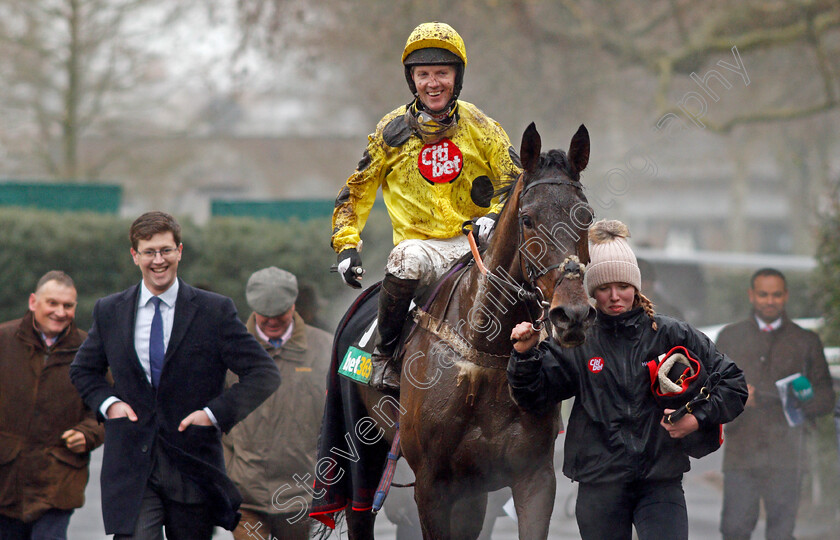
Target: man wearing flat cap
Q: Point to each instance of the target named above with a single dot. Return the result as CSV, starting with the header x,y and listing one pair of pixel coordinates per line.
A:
x,y
269,454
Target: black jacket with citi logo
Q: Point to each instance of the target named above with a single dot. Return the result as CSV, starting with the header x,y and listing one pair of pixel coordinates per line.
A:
x,y
614,432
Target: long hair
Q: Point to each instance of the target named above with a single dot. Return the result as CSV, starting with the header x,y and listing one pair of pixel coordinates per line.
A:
x,y
647,305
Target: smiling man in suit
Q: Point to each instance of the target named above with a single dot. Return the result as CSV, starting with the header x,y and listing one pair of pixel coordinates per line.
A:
x,y
168,346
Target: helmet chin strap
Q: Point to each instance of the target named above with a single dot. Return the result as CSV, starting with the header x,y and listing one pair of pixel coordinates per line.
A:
x,y
432,126
421,108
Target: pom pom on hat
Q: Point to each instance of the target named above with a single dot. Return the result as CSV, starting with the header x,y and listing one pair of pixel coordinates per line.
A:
x,y
605,231
611,259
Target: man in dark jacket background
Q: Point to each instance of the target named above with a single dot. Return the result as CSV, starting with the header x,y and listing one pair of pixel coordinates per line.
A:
x,y
269,454
764,455
46,433
168,346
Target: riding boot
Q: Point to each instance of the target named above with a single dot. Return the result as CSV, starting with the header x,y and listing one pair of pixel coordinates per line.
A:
x,y
394,300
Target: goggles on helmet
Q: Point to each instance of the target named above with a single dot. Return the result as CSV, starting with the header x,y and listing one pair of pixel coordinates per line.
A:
x,y
432,128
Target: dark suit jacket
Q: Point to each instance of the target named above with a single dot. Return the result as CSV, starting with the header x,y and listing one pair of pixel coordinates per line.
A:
x,y
761,439
207,339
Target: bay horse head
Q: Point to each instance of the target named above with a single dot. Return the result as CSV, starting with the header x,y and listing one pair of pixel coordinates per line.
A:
x,y
554,218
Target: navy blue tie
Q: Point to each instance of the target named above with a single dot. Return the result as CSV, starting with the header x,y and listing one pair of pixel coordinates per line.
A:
x,y
157,350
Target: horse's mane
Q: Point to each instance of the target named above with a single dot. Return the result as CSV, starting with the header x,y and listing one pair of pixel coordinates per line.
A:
x,y
506,187
553,160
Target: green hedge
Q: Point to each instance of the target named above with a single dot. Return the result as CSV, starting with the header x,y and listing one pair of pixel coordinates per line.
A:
x,y
220,255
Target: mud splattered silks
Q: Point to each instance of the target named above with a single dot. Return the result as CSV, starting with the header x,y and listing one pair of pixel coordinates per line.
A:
x,y
426,260
426,187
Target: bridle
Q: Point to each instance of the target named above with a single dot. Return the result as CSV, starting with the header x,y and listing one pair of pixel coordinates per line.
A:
x,y
571,266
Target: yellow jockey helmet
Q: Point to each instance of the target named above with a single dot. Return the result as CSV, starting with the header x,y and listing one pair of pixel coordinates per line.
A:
x,y
435,43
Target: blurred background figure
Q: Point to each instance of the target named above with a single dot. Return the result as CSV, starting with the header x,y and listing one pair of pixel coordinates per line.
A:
x,y
308,306
278,440
764,454
46,432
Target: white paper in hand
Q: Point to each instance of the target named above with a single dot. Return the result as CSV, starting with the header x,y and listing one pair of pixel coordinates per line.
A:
x,y
793,414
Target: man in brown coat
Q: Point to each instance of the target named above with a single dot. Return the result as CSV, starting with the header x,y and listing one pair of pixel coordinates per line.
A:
x,y
764,455
46,432
270,454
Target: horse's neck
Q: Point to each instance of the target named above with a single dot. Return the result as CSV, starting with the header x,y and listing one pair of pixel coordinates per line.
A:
x,y
488,307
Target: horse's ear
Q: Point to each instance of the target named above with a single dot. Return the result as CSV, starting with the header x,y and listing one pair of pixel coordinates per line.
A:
x,y
583,249
578,153
529,153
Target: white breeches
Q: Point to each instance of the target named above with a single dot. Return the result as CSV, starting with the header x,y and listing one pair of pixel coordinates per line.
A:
x,y
426,260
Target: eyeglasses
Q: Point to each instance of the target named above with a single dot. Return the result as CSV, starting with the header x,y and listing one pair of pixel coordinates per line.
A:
x,y
150,254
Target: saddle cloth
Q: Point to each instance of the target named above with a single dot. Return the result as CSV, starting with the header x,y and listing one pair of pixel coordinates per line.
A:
x,y
348,468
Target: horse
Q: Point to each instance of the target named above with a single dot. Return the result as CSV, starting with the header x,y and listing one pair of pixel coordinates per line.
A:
x,y
460,430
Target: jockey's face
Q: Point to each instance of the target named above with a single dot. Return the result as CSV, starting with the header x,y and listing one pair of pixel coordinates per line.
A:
x,y
768,296
615,298
435,85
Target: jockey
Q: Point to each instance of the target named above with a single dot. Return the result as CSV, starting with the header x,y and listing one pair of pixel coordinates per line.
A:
x,y
438,160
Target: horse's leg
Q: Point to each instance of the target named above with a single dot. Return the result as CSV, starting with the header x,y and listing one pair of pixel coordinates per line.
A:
x,y
468,517
359,524
533,497
434,504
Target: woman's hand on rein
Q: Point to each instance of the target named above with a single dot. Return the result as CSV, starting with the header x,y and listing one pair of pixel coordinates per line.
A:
x,y
524,337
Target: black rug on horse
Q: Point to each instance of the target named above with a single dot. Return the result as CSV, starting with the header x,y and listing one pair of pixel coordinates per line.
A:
x,y
349,464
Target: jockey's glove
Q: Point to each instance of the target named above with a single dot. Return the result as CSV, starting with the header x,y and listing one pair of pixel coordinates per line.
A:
x,y
350,267
485,225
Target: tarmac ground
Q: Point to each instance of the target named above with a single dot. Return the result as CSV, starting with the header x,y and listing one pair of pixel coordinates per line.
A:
x,y
703,487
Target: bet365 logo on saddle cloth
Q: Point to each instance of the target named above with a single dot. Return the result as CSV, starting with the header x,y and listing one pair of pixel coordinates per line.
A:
x,y
356,365
441,162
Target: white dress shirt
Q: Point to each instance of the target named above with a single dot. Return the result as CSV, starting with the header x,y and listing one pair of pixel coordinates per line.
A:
x,y
768,327
143,328
143,322
142,332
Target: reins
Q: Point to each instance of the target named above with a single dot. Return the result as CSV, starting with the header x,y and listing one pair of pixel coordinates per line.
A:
x,y
521,292
571,268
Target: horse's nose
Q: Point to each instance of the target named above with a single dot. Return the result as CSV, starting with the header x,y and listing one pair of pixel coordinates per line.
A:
x,y
566,316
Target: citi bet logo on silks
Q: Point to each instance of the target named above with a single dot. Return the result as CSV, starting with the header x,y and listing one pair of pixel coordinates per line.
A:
x,y
596,364
440,162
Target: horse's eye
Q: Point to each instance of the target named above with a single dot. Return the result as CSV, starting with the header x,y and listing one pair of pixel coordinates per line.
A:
x,y
526,222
